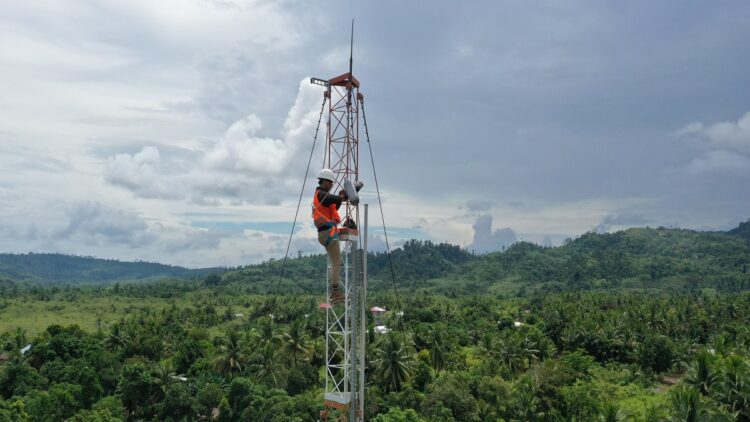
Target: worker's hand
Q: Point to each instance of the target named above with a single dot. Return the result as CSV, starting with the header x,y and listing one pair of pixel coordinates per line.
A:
x,y
342,194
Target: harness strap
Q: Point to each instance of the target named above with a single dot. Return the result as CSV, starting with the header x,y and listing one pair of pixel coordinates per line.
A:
x,y
332,235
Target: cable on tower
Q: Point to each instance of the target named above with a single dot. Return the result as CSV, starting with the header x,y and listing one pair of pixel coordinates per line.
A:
x,y
302,192
382,215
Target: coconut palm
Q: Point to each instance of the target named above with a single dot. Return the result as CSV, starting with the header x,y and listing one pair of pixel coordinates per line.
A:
x,y
525,406
529,350
231,357
438,350
702,374
266,367
686,406
394,365
163,375
296,342
116,338
266,334
19,337
734,389
509,353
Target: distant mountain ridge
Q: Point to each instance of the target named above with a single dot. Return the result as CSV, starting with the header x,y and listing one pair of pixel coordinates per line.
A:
x,y
643,257
637,257
59,268
743,230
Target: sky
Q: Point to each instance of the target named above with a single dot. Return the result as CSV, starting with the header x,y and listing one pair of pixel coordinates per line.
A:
x,y
178,131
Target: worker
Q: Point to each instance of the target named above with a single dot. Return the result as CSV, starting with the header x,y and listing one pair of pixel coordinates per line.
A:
x,y
326,217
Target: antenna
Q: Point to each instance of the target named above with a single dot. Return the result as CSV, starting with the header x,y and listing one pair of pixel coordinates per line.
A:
x,y
351,52
350,77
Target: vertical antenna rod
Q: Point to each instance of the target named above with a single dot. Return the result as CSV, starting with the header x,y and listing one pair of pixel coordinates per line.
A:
x,y
350,79
351,52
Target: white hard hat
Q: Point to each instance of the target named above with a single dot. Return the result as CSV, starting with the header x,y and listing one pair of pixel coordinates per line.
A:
x,y
327,174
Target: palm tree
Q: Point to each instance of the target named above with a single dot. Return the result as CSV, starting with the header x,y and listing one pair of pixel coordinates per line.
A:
x,y
231,357
266,366
266,334
529,350
734,389
19,337
509,353
686,406
116,338
295,342
702,374
526,406
438,350
163,374
486,411
393,363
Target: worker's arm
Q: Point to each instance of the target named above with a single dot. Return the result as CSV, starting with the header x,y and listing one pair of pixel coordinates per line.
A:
x,y
327,198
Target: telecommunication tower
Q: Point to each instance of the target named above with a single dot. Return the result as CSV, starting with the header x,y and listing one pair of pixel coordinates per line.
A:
x,y
346,323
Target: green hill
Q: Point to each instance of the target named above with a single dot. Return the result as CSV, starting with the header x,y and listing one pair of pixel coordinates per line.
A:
x,y
743,230
59,268
634,258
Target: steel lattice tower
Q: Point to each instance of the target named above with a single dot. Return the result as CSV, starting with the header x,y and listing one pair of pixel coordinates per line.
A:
x,y
346,325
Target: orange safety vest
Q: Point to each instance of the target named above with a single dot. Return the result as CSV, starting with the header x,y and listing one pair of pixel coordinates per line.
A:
x,y
325,216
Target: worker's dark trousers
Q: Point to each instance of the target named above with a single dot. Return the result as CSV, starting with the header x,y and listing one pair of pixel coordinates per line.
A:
x,y
334,254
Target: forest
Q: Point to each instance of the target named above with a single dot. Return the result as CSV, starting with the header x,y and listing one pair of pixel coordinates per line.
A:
x,y
638,325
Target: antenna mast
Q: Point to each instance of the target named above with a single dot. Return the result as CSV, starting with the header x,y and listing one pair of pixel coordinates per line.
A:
x,y
346,325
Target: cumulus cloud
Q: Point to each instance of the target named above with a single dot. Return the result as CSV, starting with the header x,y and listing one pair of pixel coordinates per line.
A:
x,y
139,173
92,222
241,150
487,240
240,167
98,224
732,136
178,238
727,146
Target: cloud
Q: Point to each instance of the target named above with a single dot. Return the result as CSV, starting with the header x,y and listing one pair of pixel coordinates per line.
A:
x,y
22,158
719,160
179,238
92,222
479,205
240,167
240,150
730,136
625,219
139,173
726,144
567,131
487,240
93,228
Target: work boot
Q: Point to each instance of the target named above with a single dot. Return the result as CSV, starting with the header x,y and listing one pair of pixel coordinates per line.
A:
x,y
337,296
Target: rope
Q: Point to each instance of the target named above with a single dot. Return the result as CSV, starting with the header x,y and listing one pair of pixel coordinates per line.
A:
x,y
302,192
382,215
